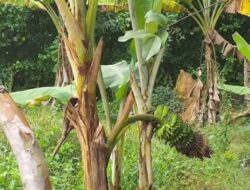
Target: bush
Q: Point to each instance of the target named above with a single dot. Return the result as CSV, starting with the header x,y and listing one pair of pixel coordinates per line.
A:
x,y
164,95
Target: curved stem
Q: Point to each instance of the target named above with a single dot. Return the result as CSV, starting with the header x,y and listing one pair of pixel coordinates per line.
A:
x,y
116,132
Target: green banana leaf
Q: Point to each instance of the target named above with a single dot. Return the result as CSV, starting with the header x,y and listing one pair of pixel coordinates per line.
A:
x,y
153,16
115,77
242,45
241,90
151,46
38,95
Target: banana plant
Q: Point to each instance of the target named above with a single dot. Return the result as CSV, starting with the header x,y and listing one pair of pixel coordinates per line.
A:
x,y
79,23
147,49
206,14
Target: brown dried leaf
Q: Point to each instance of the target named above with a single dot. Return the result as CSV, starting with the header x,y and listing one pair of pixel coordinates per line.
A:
x,y
189,92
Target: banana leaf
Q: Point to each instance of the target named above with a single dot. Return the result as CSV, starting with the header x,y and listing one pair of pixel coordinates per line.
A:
x,y
115,77
240,90
38,95
242,45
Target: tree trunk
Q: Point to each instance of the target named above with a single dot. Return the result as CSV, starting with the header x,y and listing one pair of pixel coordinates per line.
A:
x,y
95,153
95,157
247,81
79,23
31,162
212,86
145,158
95,167
145,135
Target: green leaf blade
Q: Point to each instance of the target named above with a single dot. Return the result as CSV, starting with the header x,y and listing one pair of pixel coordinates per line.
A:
x,y
242,45
138,34
151,46
156,17
63,94
241,90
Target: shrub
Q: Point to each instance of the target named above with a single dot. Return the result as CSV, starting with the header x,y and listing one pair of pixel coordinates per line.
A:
x,y
164,95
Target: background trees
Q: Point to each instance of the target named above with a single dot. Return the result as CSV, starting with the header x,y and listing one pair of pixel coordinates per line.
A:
x,y
23,29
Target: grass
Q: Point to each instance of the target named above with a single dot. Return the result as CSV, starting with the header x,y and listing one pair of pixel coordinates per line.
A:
x,y
227,169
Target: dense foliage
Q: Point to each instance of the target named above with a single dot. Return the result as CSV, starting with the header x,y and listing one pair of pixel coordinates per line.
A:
x,y
26,48
33,30
164,95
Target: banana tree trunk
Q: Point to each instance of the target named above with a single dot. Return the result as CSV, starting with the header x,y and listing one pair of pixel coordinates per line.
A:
x,y
145,158
78,37
212,86
95,159
141,97
145,135
31,162
84,119
146,129
95,153
247,81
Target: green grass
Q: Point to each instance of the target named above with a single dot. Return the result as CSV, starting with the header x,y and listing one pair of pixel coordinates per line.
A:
x,y
231,148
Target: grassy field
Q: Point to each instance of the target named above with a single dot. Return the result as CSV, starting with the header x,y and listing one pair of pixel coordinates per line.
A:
x,y
227,169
